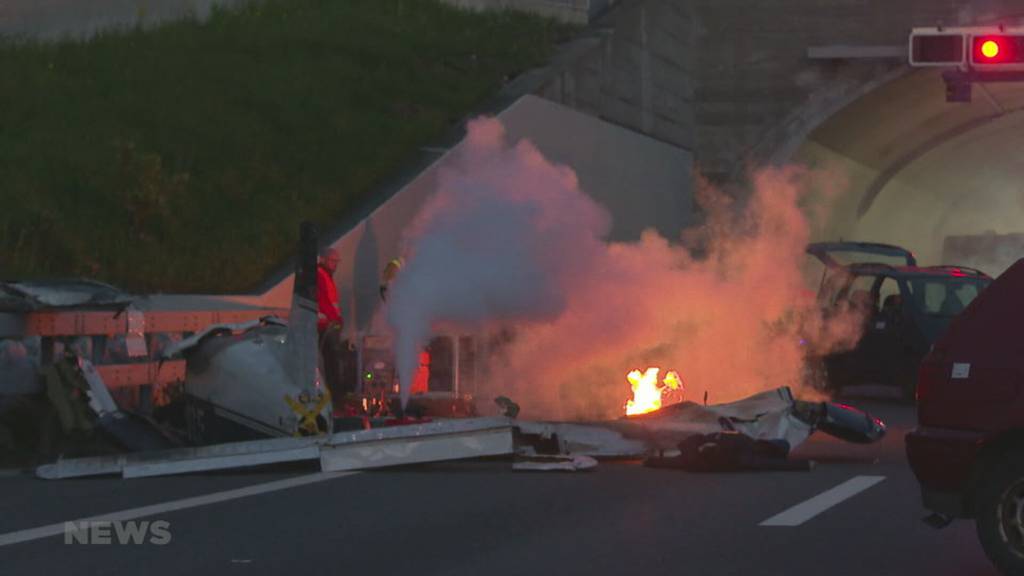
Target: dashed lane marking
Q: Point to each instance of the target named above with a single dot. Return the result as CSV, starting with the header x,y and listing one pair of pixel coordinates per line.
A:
x,y
808,509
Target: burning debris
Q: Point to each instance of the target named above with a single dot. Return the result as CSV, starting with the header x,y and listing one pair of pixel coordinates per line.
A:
x,y
754,433
647,394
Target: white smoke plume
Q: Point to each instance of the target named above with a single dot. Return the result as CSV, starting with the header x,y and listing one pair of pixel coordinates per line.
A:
x,y
510,241
504,239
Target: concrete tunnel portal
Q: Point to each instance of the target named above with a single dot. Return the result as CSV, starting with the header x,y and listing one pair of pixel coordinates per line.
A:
x,y
945,180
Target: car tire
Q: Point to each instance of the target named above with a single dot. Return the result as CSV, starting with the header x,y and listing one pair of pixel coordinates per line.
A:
x,y
999,512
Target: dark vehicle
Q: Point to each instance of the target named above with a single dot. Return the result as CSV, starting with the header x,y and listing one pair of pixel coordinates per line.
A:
x,y
968,448
903,308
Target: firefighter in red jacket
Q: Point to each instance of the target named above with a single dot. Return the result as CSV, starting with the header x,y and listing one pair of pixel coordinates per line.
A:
x,y
329,322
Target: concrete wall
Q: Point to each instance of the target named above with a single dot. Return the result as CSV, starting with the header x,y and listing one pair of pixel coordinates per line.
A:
x,y
640,76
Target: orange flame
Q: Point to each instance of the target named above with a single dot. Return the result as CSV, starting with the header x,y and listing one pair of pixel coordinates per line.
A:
x,y
647,394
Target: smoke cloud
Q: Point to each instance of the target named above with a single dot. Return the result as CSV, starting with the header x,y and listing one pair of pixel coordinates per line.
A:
x,y
510,243
505,239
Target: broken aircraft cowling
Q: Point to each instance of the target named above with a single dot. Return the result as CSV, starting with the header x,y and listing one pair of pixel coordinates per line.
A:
x,y
259,379
771,416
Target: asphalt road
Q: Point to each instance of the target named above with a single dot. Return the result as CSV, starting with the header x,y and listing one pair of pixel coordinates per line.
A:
x,y
481,518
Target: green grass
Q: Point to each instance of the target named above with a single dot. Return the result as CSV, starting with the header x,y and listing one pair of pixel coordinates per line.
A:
x,y
182,158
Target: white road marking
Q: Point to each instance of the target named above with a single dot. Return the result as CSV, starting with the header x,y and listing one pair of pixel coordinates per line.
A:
x,y
808,509
183,504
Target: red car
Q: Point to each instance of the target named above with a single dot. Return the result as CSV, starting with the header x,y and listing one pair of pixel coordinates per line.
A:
x,y
968,448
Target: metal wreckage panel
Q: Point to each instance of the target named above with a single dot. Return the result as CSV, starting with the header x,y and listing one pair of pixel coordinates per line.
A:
x,y
431,442
770,416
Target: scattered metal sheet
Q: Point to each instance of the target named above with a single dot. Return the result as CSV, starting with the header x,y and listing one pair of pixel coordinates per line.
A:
x,y
186,344
60,294
766,416
185,460
848,423
773,415
99,397
207,462
555,464
596,440
432,442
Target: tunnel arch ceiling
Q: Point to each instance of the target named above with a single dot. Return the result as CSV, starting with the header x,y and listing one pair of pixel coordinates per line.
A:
x,y
943,179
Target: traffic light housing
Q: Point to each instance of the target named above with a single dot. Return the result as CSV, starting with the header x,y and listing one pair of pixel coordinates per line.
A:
x,y
983,48
970,55
997,51
957,89
932,48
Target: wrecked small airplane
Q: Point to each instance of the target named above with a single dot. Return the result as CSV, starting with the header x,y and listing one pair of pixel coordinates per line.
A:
x,y
259,379
241,381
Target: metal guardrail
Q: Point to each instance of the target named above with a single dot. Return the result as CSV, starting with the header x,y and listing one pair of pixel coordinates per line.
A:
x,y
59,323
150,373
123,344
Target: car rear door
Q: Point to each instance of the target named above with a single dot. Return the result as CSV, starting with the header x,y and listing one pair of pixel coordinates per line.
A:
x,y
857,295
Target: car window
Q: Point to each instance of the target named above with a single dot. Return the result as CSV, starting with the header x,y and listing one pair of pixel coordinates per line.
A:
x,y
966,293
944,296
858,292
814,272
889,295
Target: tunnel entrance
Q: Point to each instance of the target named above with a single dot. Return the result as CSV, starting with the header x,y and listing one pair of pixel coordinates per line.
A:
x,y
945,180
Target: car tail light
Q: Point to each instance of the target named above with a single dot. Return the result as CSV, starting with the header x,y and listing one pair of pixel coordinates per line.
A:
x,y
930,373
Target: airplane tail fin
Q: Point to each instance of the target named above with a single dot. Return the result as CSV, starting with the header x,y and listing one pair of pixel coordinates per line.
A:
x,y
302,335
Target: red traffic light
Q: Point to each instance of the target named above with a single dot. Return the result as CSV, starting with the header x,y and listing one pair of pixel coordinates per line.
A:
x,y
997,49
990,48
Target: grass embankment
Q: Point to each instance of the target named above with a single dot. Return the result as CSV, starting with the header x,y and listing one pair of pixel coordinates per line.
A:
x,y
181,158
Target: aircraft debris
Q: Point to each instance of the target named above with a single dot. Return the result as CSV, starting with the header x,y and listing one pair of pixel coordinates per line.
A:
x,y
729,451
554,463
362,450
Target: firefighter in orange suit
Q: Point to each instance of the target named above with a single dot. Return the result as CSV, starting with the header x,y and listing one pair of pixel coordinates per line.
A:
x,y
420,382
329,322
